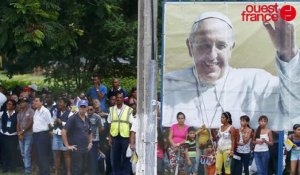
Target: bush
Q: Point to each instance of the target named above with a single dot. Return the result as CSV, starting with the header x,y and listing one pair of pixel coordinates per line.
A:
x,y
57,89
126,83
12,85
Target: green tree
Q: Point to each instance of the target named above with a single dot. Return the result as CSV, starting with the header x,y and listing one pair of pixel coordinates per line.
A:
x,y
69,39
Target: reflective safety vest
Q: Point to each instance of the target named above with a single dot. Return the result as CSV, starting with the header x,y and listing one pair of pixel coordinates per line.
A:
x,y
120,122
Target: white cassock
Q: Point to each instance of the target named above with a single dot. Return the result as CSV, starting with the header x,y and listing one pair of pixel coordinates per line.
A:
x,y
244,91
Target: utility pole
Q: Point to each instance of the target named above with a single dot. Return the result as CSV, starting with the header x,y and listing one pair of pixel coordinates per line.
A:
x,y
146,88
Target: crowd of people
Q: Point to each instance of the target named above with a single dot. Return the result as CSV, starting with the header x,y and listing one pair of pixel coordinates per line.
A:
x,y
228,150
84,134
91,134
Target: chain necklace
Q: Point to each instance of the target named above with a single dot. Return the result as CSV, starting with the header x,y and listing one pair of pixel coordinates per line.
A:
x,y
200,99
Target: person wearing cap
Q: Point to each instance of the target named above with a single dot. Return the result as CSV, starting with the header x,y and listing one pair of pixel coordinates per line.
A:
x,y
42,123
120,119
33,91
24,130
77,138
212,86
34,87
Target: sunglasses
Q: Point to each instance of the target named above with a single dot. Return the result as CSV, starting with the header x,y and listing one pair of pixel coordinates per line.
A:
x,y
82,106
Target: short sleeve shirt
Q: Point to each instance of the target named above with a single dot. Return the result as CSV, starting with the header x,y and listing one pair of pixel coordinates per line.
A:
x,y
94,95
78,132
134,126
192,149
96,123
25,118
41,120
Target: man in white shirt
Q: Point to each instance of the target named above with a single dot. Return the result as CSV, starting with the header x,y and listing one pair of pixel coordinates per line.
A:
x,y
41,136
211,86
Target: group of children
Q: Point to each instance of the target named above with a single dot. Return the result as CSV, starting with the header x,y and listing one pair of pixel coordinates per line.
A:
x,y
207,159
230,150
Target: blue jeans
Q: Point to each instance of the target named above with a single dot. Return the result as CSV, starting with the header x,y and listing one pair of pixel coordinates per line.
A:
x,y
93,159
193,168
237,165
262,161
25,148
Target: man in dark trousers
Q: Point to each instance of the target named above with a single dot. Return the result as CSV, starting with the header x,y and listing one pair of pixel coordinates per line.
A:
x,y
77,137
41,137
120,119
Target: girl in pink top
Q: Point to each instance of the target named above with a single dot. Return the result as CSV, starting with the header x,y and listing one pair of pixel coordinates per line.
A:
x,y
177,136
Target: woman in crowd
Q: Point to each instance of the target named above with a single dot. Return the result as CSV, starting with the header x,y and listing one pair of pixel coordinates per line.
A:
x,y
262,139
225,144
295,153
9,137
242,153
58,147
177,136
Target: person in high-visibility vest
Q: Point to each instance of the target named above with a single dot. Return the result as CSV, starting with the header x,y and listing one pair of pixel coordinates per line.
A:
x,y
120,119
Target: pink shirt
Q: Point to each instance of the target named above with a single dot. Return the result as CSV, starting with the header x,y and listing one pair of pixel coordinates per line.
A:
x,y
179,135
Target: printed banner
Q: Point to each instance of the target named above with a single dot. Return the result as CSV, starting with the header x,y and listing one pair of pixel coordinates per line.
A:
x,y
237,57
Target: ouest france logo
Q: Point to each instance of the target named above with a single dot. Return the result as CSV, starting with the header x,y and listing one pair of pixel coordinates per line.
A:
x,y
272,12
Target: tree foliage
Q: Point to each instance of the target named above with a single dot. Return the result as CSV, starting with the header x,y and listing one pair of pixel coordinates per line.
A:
x,y
69,39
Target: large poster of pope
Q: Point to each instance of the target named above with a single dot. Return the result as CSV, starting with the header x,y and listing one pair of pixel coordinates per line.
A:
x,y
241,58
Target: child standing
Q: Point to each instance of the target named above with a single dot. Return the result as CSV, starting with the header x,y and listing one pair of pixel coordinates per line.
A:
x,y
210,154
190,152
295,153
242,153
262,140
203,136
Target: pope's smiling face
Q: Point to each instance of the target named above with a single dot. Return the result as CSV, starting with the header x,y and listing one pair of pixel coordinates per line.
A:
x,y
210,44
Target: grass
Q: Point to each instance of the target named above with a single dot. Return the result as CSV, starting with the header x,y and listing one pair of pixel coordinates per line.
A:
x,y
24,77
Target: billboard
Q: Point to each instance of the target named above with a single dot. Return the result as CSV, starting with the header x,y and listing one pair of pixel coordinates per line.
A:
x,y
237,57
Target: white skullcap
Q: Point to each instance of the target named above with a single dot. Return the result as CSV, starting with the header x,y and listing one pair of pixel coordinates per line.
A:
x,y
213,14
